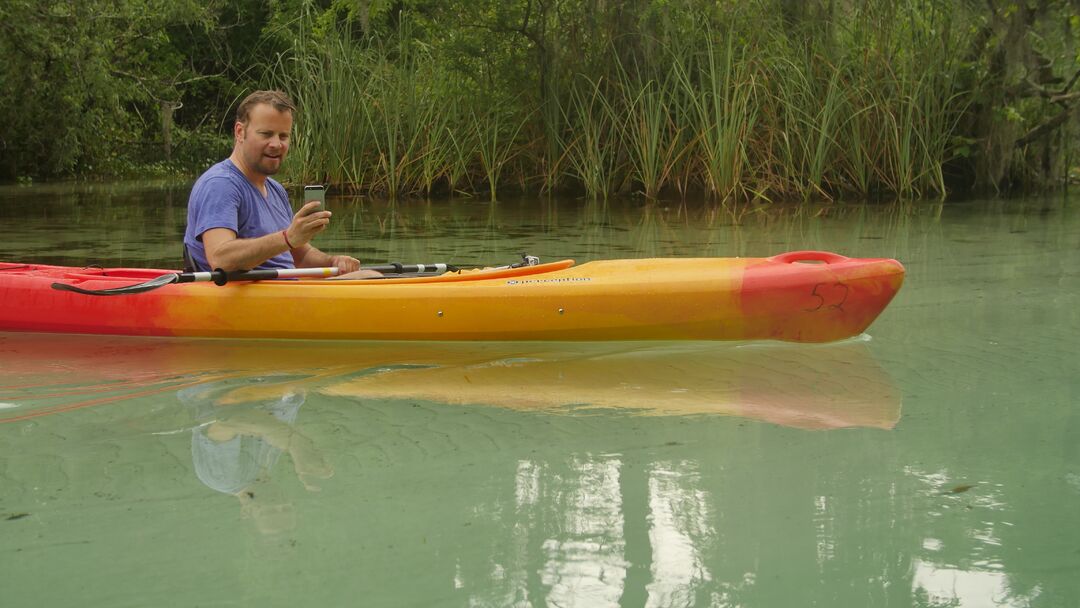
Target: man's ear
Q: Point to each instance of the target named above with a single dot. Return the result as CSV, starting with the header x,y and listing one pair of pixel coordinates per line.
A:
x,y
238,130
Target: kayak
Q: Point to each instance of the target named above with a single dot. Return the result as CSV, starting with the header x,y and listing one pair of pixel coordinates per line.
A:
x,y
801,296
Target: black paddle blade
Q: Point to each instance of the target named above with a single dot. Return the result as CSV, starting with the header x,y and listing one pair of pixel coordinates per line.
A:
x,y
161,281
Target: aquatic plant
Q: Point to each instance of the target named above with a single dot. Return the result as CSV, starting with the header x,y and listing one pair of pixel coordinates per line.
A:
x,y
742,105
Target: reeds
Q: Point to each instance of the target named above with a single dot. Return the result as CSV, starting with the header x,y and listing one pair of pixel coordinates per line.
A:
x,y
591,154
495,136
737,112
722,114
649,130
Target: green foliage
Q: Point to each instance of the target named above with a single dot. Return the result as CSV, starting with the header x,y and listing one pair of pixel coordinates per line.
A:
x,y
591,154
83,84
764,99
755,99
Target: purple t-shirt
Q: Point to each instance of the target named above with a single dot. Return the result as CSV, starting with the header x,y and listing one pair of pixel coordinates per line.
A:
x,y
223,198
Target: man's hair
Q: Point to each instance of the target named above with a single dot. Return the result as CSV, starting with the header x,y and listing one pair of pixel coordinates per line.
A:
x,y
278,99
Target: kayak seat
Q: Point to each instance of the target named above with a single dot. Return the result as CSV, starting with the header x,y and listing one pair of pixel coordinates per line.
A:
x,y
189,262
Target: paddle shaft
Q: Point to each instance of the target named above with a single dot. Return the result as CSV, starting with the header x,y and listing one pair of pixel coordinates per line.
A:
x,y
218,277
221,277
395,268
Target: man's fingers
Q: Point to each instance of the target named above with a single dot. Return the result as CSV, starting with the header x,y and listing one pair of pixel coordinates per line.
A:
x,y
309,221
309,208
314,222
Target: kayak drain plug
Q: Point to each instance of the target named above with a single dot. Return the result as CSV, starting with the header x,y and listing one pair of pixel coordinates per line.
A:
x,y
560,311
439,313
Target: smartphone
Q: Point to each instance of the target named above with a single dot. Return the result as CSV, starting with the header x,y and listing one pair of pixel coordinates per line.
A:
x,y
315,193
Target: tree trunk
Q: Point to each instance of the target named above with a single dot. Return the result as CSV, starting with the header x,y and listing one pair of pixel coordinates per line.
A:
x,y
167,109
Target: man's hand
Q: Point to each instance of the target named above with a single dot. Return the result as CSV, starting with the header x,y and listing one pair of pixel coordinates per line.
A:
x,y
307,222
344,263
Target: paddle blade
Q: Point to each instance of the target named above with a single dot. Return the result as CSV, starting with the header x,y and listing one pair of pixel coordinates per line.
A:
x,y
161,281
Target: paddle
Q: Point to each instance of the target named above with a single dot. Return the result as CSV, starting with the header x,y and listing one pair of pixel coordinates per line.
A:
x,y
220,277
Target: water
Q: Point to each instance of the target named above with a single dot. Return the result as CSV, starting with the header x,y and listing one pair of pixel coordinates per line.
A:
x,y
932,462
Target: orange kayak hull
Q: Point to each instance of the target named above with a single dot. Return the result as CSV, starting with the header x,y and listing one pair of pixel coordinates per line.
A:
x,y
797,296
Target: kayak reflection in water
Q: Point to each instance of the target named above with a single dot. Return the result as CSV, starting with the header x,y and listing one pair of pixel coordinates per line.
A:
x,y
239,218
235,447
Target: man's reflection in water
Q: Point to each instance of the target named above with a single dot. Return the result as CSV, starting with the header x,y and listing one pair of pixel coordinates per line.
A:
x,y
237,443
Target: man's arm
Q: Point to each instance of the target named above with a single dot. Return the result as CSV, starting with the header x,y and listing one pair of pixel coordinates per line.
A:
x,y
309,256
224,250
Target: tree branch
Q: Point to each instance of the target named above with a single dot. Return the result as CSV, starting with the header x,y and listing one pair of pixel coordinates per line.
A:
x,y
1046,128
1054,96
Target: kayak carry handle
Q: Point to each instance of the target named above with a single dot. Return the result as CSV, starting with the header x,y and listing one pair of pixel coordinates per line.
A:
x,y
791,257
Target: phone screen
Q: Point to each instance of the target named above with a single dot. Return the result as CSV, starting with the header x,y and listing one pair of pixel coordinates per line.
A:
x,y
315,193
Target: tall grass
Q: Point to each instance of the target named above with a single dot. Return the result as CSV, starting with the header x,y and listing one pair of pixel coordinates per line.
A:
x,y
495,137
648,129
591,155
719,91
809,103
747,110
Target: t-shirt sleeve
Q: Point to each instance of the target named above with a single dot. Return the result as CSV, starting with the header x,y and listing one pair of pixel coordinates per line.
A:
x,y
283,197
214,203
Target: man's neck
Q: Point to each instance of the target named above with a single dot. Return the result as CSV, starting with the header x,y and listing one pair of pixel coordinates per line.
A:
x,y
257,179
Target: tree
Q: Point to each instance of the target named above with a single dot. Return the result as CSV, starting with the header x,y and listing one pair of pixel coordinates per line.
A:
x,y
83,80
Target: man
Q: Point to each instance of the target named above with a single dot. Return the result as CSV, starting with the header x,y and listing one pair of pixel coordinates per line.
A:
x,y
239,218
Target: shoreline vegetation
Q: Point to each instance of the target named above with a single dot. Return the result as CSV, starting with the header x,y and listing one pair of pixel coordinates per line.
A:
x,y
762,100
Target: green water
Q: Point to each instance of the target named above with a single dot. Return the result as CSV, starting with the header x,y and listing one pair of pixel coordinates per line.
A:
x,y
934,461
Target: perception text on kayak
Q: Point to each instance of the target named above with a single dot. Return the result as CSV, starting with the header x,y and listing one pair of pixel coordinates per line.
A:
x,y
562,280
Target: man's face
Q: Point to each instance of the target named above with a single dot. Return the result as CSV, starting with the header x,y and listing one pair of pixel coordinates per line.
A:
x,y
264,141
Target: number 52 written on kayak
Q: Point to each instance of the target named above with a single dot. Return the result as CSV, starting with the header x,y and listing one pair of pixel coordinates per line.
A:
x,y
829,296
